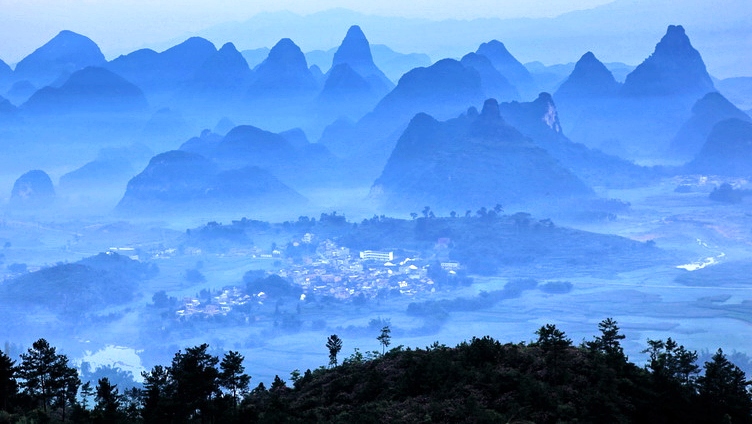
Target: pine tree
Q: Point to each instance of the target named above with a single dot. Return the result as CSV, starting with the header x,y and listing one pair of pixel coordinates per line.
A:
x,y
232,376
46,377
195,377
86,393
8,385
156,395
108,402
723,390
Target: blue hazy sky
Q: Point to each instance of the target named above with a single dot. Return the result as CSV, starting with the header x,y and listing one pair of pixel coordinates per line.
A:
x,y
121,26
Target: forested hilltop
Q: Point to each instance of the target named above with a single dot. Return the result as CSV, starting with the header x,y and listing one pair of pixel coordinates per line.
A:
x,y
547,380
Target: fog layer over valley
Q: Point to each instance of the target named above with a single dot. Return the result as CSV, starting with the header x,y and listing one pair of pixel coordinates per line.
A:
x,y
262,200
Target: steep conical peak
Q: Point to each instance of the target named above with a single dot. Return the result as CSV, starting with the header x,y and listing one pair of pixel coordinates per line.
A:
x,y
354,50
675,38
674,68
356,53
589,78
590,65
284,70
490,109
287,53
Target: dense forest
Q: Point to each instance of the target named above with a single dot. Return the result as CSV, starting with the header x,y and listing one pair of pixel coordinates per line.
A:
x,y
547,380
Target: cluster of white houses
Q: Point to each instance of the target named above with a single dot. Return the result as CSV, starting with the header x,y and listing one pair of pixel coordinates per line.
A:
x,y
334,271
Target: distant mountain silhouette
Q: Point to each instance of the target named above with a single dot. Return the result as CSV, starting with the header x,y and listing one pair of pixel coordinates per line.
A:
x,y
317,75
111,170
738,90
495,85
510,67
589,78
223,74
283,73
257,186
92,90
296,163
344,83
674,69
395,64
345,93
217,87
296,137
707,112
7,110
97,174
5,70
549,78
355,51
353,84
166,126
440,89
652,104
590,86
281,91
539,120
6,76
32,190
160,74
20,91
470,161
248,145
224,125
255,56
727,151
321,58
204,145
65,53
443,90
185,183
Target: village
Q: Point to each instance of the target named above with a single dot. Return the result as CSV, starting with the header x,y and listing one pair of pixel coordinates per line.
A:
x,y
330,271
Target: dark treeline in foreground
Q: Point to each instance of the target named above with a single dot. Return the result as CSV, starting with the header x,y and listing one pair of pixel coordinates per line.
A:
x,y
548,380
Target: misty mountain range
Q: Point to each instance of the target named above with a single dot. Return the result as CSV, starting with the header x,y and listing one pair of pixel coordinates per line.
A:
x,y
286,127
589,188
